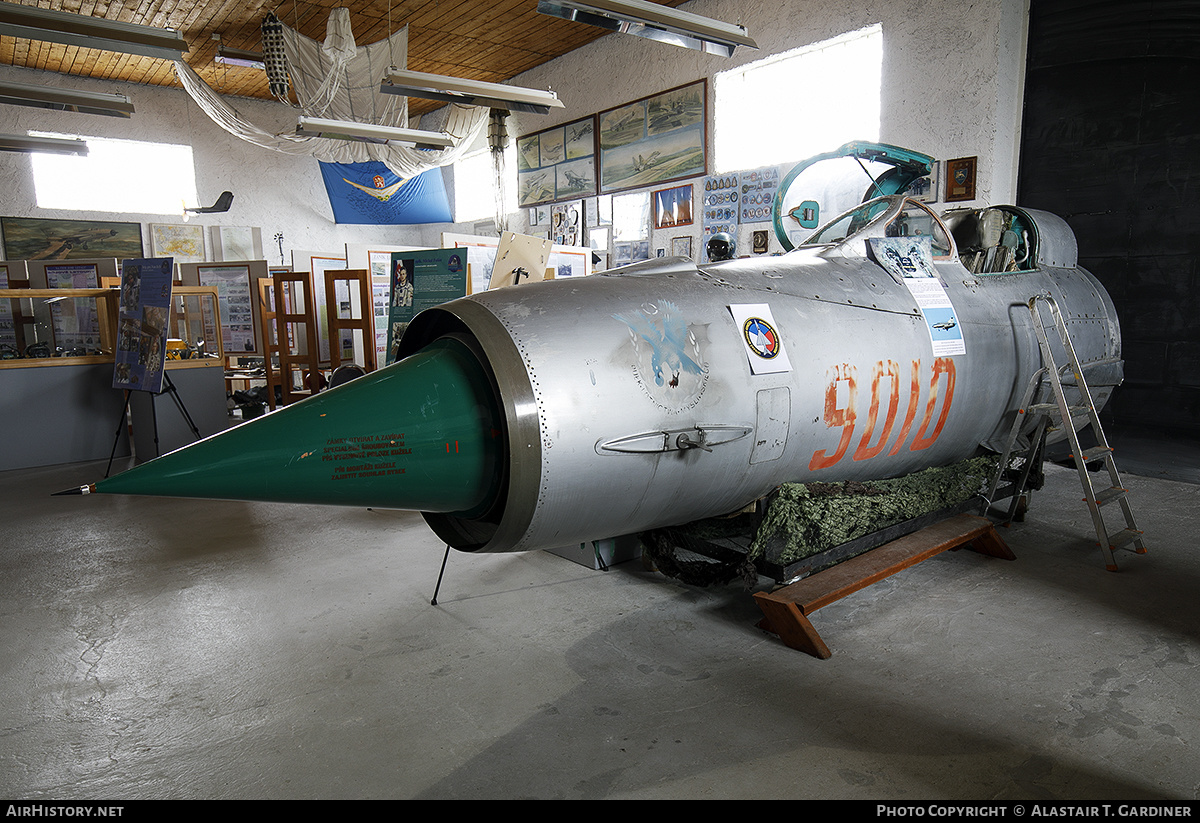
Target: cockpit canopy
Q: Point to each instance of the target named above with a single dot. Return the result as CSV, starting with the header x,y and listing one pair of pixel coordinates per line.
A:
x,y
893,216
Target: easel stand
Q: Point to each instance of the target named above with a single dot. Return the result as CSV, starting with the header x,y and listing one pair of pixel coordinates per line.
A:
x,y
786,610
168,388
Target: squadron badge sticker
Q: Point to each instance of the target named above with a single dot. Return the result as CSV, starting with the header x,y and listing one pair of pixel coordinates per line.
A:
x,y
761,337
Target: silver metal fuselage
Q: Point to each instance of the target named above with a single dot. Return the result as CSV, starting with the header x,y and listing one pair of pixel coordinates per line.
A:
x,y
615,425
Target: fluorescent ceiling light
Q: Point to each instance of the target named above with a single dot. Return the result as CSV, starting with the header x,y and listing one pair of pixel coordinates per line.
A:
x,y
468,92
653,21
239,57
50,97
32,23
371,133
51,145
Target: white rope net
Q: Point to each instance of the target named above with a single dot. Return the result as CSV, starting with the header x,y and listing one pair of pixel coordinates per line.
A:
x,y
340,81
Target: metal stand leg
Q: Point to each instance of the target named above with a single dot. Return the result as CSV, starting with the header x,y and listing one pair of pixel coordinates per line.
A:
x,y
438,587
117,436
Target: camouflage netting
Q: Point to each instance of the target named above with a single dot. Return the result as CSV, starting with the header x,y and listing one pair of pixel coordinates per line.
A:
x,y
805,518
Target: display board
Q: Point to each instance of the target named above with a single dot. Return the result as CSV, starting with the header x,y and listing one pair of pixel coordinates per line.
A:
x,y
565,261
422,280
377,258
142,319
236,282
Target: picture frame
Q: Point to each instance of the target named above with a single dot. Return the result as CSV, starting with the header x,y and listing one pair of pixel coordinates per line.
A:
x,y
44,238
656,139
681,246
926,189
673,207
182,241
557,164
960,179
236,243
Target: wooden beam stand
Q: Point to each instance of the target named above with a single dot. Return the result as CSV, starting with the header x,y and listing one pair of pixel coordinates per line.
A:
x,y
786,610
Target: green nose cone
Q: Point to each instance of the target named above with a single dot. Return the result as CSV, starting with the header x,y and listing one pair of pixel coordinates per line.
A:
x,y
423,434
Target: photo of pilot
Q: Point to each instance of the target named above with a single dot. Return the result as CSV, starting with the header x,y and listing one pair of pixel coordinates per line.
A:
x,y
402,289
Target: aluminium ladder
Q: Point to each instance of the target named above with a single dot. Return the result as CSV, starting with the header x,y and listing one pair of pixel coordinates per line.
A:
x,y
1045,414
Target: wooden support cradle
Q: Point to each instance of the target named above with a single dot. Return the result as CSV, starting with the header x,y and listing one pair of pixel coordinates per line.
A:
x,y
786,610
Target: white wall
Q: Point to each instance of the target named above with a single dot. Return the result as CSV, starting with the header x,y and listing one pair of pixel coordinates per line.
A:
x,y
952,84
953,74
273,191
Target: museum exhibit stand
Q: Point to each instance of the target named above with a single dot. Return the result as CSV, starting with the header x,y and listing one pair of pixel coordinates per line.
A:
x,y
56,377
192,402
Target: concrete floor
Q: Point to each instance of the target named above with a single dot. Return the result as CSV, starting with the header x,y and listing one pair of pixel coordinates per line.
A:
x,y
155,648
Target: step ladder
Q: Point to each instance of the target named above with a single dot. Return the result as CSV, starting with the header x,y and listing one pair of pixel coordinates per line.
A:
x,y
1052,416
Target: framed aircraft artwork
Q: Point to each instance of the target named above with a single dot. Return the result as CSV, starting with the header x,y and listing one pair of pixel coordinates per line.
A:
x,y
557,164
41,238
658,139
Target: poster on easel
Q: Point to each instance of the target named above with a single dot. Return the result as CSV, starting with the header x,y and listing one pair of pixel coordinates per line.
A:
x,y
422,280
142,319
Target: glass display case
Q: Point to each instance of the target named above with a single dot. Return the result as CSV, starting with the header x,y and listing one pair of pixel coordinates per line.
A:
x,y
46,327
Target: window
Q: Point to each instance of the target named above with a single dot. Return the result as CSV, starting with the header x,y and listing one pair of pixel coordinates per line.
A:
x,y
124,176
791,106
475,186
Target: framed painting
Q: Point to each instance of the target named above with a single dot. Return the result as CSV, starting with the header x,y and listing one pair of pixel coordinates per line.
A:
x,y
658,139
557,164
673,207
40,238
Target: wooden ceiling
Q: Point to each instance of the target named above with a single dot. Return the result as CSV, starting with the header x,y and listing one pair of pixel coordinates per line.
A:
x,y
491,40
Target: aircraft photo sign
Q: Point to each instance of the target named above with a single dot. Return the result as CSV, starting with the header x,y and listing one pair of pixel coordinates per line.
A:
x,y
910,259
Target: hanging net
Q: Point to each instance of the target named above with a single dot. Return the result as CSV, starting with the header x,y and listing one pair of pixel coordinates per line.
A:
x,y
338,80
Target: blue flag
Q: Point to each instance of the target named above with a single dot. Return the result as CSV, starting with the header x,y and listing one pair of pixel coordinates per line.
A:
x,y
371,193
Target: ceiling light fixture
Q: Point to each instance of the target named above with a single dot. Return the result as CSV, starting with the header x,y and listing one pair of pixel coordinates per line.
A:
x,y
371,133
240,57
50,97
32,23
650,20
49,145
468,92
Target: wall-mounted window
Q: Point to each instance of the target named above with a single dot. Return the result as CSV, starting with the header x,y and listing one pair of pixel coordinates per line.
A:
x,y
125,176
791,106
475,186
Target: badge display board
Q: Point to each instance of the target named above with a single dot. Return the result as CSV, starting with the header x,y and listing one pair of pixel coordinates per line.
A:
x,y
142,320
